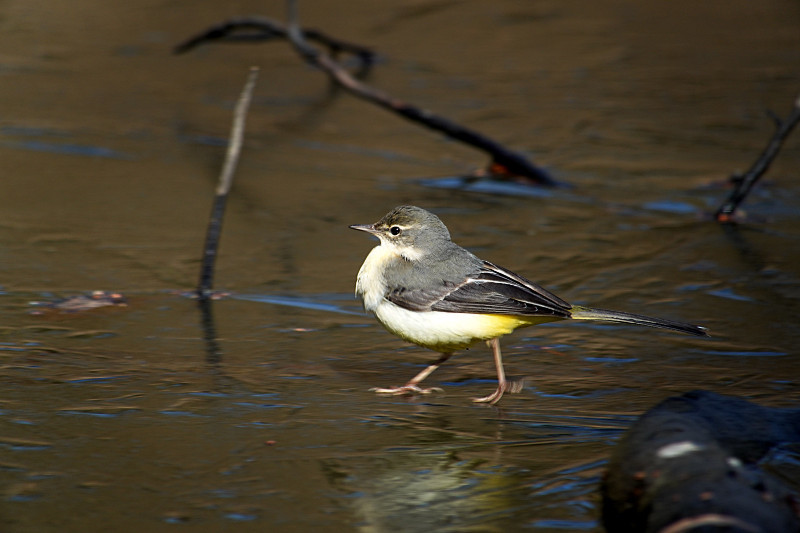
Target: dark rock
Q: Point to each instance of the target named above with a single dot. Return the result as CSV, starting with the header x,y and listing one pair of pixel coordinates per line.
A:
x,y
690,464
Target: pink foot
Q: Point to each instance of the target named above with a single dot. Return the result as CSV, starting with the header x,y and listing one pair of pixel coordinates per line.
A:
x,y
512,387
492,399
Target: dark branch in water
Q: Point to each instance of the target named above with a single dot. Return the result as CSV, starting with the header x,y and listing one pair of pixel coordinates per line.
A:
x,y
223,187
505,164
743,184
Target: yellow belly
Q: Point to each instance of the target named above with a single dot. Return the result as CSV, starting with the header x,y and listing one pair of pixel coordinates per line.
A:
x,y
446,332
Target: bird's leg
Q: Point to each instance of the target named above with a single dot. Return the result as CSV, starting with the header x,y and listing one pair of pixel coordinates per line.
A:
x,y
502,384
412,385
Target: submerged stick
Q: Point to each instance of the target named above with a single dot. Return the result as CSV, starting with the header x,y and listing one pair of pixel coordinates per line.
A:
x,y
743,184
223,187
505,163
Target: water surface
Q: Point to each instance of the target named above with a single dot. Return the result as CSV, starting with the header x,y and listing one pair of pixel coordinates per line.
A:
x,y
141,417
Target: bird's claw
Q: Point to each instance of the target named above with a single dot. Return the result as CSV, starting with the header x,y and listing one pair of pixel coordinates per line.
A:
x,y
511,387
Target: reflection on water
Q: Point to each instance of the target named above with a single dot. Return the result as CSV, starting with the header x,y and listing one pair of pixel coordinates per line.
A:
x,y
429,492
254,413
327,303
454,480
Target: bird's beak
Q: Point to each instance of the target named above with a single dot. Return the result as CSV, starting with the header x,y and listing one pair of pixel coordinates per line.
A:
x,y
369,228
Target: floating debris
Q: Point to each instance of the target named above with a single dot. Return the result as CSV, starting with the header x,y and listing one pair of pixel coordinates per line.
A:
x,y
84,302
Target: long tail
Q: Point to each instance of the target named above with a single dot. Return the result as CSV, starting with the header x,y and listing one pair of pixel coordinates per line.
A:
x,y
587,313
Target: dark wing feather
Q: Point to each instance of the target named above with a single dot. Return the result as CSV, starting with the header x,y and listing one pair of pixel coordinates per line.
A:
x,y
492,290
419,299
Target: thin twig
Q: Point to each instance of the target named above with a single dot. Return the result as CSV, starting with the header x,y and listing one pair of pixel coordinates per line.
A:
x,y
223,187
505,163
743,184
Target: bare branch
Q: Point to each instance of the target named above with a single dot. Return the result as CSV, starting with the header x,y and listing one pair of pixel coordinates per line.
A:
x,y
223,187
505,163
743,184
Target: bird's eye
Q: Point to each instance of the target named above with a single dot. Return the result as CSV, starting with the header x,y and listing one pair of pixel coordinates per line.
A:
x,y
395,230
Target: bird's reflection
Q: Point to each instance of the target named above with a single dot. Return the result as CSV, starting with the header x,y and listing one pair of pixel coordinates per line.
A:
x,y
459,469
428,492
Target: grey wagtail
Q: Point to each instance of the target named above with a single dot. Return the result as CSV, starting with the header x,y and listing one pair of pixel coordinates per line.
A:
x,y
428,290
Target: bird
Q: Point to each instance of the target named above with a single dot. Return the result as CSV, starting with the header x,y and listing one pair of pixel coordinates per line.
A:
x,y
429,291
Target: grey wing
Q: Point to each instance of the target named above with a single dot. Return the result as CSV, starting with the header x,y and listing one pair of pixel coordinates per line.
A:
x,y
492,290
420,299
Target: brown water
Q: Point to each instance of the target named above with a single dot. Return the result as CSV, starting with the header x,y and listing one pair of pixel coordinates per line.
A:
x,y
127,419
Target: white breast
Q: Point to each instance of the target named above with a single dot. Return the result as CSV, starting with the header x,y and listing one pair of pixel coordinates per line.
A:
x,y
370,284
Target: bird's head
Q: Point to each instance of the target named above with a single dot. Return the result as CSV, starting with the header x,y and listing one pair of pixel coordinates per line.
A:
x,y
410,231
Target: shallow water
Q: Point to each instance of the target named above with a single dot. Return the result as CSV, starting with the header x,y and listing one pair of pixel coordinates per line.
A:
x,y
149,416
